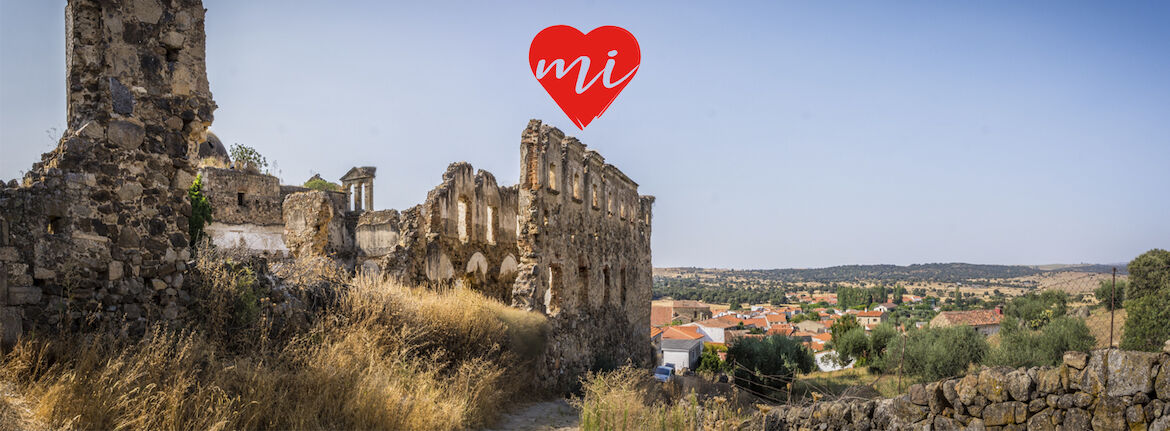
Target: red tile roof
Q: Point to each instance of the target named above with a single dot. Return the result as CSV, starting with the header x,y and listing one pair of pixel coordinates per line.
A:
x,y
871,314
682,333
784,330
719,322
655,331
826,337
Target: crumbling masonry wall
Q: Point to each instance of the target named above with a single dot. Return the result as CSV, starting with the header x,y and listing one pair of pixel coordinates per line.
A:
x,y
464,233
584,246
1103,390
97,230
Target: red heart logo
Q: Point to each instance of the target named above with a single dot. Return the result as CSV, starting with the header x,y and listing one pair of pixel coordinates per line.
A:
x,y
584,73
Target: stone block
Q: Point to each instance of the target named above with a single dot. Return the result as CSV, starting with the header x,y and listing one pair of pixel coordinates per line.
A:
x,y
1004,413
993,385
1131,372
116,270
125,134
11,326
1076,360
24,295
44,274
157,284
1109,414
1019,385
9,254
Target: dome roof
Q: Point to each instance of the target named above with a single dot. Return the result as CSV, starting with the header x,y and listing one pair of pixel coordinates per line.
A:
x,y
213,148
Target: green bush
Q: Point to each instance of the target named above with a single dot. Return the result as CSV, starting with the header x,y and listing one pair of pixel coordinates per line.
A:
x,y
1147,322
764,365
200,210
1148,273
857,345
1021,347
1036,310
934,353
322,185
1109,297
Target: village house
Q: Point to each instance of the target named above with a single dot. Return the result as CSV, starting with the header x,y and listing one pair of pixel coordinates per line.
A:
x,y
985,322
682,354
886,307
867,318
681,311
810,326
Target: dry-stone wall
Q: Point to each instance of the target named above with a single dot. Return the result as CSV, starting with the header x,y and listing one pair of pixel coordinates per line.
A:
x,y
97,230
1101,390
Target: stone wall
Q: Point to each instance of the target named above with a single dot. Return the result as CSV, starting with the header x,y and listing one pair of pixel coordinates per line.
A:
x,y
97,230
246,210
1101,390
584,247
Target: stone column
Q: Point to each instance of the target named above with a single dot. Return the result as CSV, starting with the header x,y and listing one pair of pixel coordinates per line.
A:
x,y
369,185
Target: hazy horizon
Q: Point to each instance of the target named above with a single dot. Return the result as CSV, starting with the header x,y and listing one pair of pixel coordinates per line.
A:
x,y
787,135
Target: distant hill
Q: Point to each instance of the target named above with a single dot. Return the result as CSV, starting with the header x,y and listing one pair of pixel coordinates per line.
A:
x,y
928,272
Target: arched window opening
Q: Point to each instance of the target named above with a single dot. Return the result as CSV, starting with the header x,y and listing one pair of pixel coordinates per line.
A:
x,y
464,220
552,297
622,286
552,176
491,225
595,197
576,186
583,293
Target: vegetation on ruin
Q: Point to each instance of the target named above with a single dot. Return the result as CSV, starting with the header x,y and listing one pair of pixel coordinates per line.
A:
x,y
322,185
200,210
245,157
376,355
1148,294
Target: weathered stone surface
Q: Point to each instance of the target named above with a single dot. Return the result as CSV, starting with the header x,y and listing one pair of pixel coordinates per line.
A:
x,y
1109,414
907,412
1077,419
1131,372
115,270
1048,381
126,134
918,394
993,385
1160,424
1076,360
24,295
1019,385
1042,421
1162,382
122,98
311,226
10,326
967,388
1004,413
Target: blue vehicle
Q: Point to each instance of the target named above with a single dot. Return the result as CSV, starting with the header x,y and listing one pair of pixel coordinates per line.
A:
x,y
664,373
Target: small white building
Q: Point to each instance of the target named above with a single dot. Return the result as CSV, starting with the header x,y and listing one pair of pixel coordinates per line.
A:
x,y
684,354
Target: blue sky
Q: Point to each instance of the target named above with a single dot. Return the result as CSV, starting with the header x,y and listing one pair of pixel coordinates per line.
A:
x,y
774,134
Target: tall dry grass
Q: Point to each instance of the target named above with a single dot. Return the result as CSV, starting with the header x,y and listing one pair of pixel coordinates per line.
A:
x,y
630,399
380,356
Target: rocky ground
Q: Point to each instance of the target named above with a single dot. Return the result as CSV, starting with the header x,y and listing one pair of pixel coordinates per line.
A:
x,y
556,415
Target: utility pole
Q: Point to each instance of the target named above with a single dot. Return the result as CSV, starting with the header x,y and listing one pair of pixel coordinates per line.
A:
x,y
1112,305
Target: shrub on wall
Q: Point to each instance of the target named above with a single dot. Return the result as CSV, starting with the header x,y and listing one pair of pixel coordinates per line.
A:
x,y
200,210
322,185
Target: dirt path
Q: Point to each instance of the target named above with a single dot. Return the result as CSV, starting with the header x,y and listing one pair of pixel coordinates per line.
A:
x,y
556,415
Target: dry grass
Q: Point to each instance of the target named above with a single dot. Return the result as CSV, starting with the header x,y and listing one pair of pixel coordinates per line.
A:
x,y
382,356
1098,323
630,399
850,382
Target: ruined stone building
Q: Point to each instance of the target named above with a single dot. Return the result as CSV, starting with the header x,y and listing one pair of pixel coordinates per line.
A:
x,y
97,231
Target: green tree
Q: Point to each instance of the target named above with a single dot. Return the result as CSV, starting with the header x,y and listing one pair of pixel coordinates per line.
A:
x,y
709,361
243,155
934,353
1146,320
1149,273
1109,297
843,325
1148,294
770,361
200,210
1036,310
